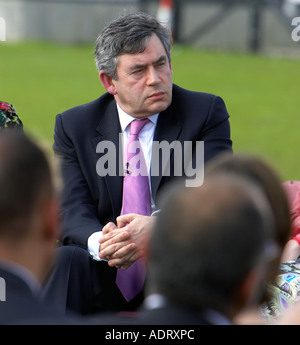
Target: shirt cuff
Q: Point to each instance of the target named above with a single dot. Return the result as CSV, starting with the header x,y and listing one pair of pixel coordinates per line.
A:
x,y
93,245
155,213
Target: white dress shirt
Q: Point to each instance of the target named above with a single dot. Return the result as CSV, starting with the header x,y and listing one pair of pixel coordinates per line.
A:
x,y
146,139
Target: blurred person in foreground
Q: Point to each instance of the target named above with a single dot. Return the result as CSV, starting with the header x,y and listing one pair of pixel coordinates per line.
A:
x,y
280,303
28,231
283,304
292,250
99,213
259,172
268,180
208,255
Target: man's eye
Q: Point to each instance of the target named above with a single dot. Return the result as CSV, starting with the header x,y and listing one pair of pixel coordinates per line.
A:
x,y
161,63
137,71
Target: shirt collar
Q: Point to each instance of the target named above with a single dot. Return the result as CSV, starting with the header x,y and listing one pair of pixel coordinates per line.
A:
x,y
156,300
125,119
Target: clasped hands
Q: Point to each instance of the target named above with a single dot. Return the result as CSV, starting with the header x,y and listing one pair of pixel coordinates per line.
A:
x,y
126,241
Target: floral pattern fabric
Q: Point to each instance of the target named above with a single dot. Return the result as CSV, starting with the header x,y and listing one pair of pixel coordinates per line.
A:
x,y
9,118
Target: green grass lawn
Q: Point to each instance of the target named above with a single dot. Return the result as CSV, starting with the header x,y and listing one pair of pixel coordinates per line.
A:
x,y
261,93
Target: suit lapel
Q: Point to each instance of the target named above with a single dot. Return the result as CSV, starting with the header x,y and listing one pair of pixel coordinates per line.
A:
x,y
167,129
108,136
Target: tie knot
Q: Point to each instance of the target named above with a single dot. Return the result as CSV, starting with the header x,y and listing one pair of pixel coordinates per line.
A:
x,y
137,125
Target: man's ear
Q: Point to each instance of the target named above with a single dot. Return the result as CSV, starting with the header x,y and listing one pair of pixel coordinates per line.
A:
x,y
51,220
251,289
107,83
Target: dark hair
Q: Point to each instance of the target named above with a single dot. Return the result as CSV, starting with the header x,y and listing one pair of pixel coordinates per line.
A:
x,y
207,240
25,178
266,178
128,35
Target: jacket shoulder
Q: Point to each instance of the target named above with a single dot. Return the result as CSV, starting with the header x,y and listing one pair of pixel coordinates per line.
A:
x,y
181,94
88,113
197,104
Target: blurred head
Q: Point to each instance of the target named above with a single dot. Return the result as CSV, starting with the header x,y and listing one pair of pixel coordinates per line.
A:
x,y
264,177
28,211
134,62
208,247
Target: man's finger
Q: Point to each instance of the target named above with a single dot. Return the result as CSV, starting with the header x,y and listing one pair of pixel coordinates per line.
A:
x,y
123,257
110,247
110,250
115,235
124,252
125,219
108,227
126,261
120,237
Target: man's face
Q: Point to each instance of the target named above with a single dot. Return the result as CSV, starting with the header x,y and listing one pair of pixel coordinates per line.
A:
x,y
144,85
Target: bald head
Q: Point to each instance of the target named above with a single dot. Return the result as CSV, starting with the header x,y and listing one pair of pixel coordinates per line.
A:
x,y
207,239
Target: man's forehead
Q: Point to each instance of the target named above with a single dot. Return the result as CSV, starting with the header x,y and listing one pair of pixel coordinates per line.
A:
x,y
153,52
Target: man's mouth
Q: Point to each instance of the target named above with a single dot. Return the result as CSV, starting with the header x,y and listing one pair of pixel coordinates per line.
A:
x,y
157,95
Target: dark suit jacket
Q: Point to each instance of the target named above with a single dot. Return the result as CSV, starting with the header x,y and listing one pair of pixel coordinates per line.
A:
x,y
22,306
174,314
90,201
169,314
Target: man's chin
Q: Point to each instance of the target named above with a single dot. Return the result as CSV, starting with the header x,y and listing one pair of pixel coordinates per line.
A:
x,y
154,108
158,107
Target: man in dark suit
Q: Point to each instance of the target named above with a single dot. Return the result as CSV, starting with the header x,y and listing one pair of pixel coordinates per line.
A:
x,y
28,232
133,58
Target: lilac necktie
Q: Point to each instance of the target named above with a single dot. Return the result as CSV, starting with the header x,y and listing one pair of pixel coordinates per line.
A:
x,y
136,199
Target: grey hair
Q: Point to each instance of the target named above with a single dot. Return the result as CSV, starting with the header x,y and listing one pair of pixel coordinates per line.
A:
x,y
128,35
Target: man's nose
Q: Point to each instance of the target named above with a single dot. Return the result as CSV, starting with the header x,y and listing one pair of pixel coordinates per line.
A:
x,y
152,76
